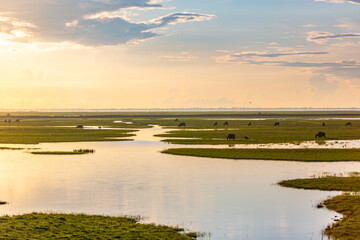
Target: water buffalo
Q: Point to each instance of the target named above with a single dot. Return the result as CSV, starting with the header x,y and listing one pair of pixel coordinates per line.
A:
x,y
246,138
323,124
215,124
231,136
176,120
226,124
182,124
277,124
249,124
348,124
320,135
80,126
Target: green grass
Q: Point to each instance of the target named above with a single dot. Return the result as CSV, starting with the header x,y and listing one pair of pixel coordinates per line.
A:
x,y
347,204
34,135
329,183
58,153
303,155
261,132
80,226
349,227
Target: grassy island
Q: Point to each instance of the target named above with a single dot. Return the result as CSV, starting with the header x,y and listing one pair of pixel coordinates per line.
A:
x,y
81,226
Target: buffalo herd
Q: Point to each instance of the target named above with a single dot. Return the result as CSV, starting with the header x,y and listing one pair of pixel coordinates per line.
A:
x,y
232,136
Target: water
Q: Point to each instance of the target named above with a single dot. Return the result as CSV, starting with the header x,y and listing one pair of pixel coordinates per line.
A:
x,y
228,199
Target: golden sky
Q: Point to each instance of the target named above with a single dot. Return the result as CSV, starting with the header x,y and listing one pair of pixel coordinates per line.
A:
x,y
179,54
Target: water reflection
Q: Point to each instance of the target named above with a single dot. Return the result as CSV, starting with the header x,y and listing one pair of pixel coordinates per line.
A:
x,y
230,199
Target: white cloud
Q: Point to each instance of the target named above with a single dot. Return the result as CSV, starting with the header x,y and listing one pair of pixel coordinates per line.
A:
x,y
340,1
85,22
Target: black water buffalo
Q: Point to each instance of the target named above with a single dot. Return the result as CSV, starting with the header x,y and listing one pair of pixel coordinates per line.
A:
x,y
182,124
323,124
215,124
80,126
320,135
249,124
176,120
226,124
231,136
348,124
277,124
246,138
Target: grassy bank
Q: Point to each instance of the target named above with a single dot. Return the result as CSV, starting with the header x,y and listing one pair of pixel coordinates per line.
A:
x,y
347,204
80,226
303,155
58,153
34,135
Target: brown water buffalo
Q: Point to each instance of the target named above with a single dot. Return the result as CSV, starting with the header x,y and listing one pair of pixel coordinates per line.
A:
x,y
231,136
348,124
182,124
277,124
320,135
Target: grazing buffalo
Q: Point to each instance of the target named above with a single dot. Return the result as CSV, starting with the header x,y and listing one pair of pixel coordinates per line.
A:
x,y
176,120
320,135
246,138
348,124
226,124
249,124
323,124
231,136
215,124
277,124
182,124
17,120
80,126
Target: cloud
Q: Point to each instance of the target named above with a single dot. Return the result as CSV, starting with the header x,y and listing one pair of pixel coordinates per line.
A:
x,y
323,37
340,1
320,84
344,68
86,22
184,57
275,55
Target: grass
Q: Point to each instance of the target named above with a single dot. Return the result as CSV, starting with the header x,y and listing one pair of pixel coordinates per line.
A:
x,y
303,155
260,132
328,183
80,226
35,135
58,153
347,204
74,152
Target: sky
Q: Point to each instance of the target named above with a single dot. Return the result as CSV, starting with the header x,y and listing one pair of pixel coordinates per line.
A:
x,y
179,54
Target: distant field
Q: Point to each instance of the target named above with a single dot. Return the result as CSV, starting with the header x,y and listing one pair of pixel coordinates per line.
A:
x,y
34,135
260,132
295,126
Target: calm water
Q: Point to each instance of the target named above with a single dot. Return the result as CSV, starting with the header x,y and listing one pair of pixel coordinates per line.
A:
x,y
229,199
